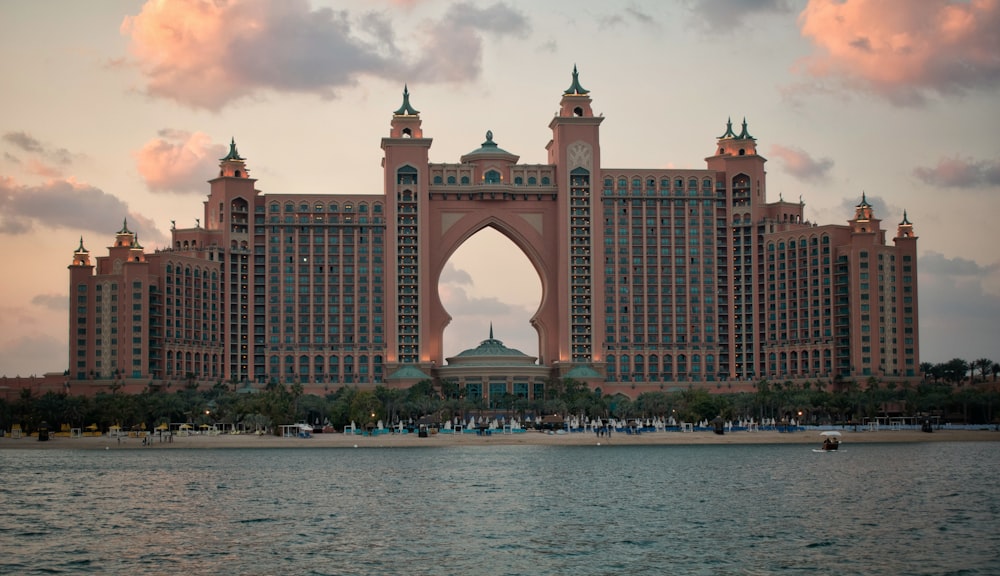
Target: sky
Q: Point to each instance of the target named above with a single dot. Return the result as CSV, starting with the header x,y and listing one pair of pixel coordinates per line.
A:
x,y
121,109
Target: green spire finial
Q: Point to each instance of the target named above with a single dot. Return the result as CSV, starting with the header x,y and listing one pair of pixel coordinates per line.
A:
x,y
729,129
575,89
406,109
744,135
864,200
124,229
905,222
82,249
491,330
233,154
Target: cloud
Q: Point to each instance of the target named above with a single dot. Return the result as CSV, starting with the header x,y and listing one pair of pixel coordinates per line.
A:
x,y
939,264
725,15
67,204
23,141
961,173
901,52
453,46
178,161
32,354
473,317
452,275
625,16
45,161
959,305
57,302
207,54
800,164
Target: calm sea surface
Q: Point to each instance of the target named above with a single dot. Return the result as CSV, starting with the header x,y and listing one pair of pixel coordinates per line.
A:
x,y
760,509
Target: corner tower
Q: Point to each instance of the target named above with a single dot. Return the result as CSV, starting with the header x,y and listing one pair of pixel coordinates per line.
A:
x,y
575,152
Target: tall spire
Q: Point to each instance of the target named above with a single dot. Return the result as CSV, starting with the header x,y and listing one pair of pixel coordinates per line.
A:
x,y
406,109
744,135
81,257
575,89
491,330
729,129
905,228
124,229
233,154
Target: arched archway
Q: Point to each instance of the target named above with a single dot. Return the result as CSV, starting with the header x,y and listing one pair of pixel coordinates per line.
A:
x,y
526,234
489,282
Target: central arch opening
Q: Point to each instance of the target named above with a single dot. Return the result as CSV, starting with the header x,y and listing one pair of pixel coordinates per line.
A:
x,y
488,279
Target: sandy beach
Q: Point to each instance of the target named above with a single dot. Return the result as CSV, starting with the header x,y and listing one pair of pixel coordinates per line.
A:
x,y
526,438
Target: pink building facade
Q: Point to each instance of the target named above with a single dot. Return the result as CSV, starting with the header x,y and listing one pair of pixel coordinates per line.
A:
x,y
650,278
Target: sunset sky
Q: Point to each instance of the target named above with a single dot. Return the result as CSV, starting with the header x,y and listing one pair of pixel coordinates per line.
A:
x,y
121,109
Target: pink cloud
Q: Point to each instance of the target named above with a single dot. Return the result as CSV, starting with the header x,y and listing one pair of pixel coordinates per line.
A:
x,y
178,161
206,54
901,50
961,173
800,164
39,168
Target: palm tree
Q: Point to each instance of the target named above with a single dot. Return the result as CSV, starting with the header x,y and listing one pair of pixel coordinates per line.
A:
x,y
983,365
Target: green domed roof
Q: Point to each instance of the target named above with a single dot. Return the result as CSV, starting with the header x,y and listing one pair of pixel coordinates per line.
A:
x,y
488,147
493,352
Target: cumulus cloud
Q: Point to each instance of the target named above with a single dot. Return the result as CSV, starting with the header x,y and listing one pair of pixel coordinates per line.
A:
x,y
800,164
178,161
959,305
937,263
207,54
452,275
453,46
67,204
51,301
31,354
961,173
46,161
472,318
722,15
901,52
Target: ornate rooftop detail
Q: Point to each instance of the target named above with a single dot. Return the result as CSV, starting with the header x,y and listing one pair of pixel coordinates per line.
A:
x,y
575,89
233,155
406,109
488,147
729,130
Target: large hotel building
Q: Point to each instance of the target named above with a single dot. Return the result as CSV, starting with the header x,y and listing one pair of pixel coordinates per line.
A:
x,y
650,277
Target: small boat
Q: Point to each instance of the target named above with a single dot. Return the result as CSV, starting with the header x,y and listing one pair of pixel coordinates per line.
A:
x,y
831,441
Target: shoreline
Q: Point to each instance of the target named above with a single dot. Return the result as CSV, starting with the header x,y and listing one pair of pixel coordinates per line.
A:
x,y
531,438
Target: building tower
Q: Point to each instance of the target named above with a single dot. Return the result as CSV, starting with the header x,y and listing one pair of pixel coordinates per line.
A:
x,y
741,177
230,236
575,151
405,183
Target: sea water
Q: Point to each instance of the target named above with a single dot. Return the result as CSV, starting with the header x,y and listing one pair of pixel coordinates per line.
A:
x,y
925,508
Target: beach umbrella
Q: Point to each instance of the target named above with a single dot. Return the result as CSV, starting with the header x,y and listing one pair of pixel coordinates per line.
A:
x,y
830,433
